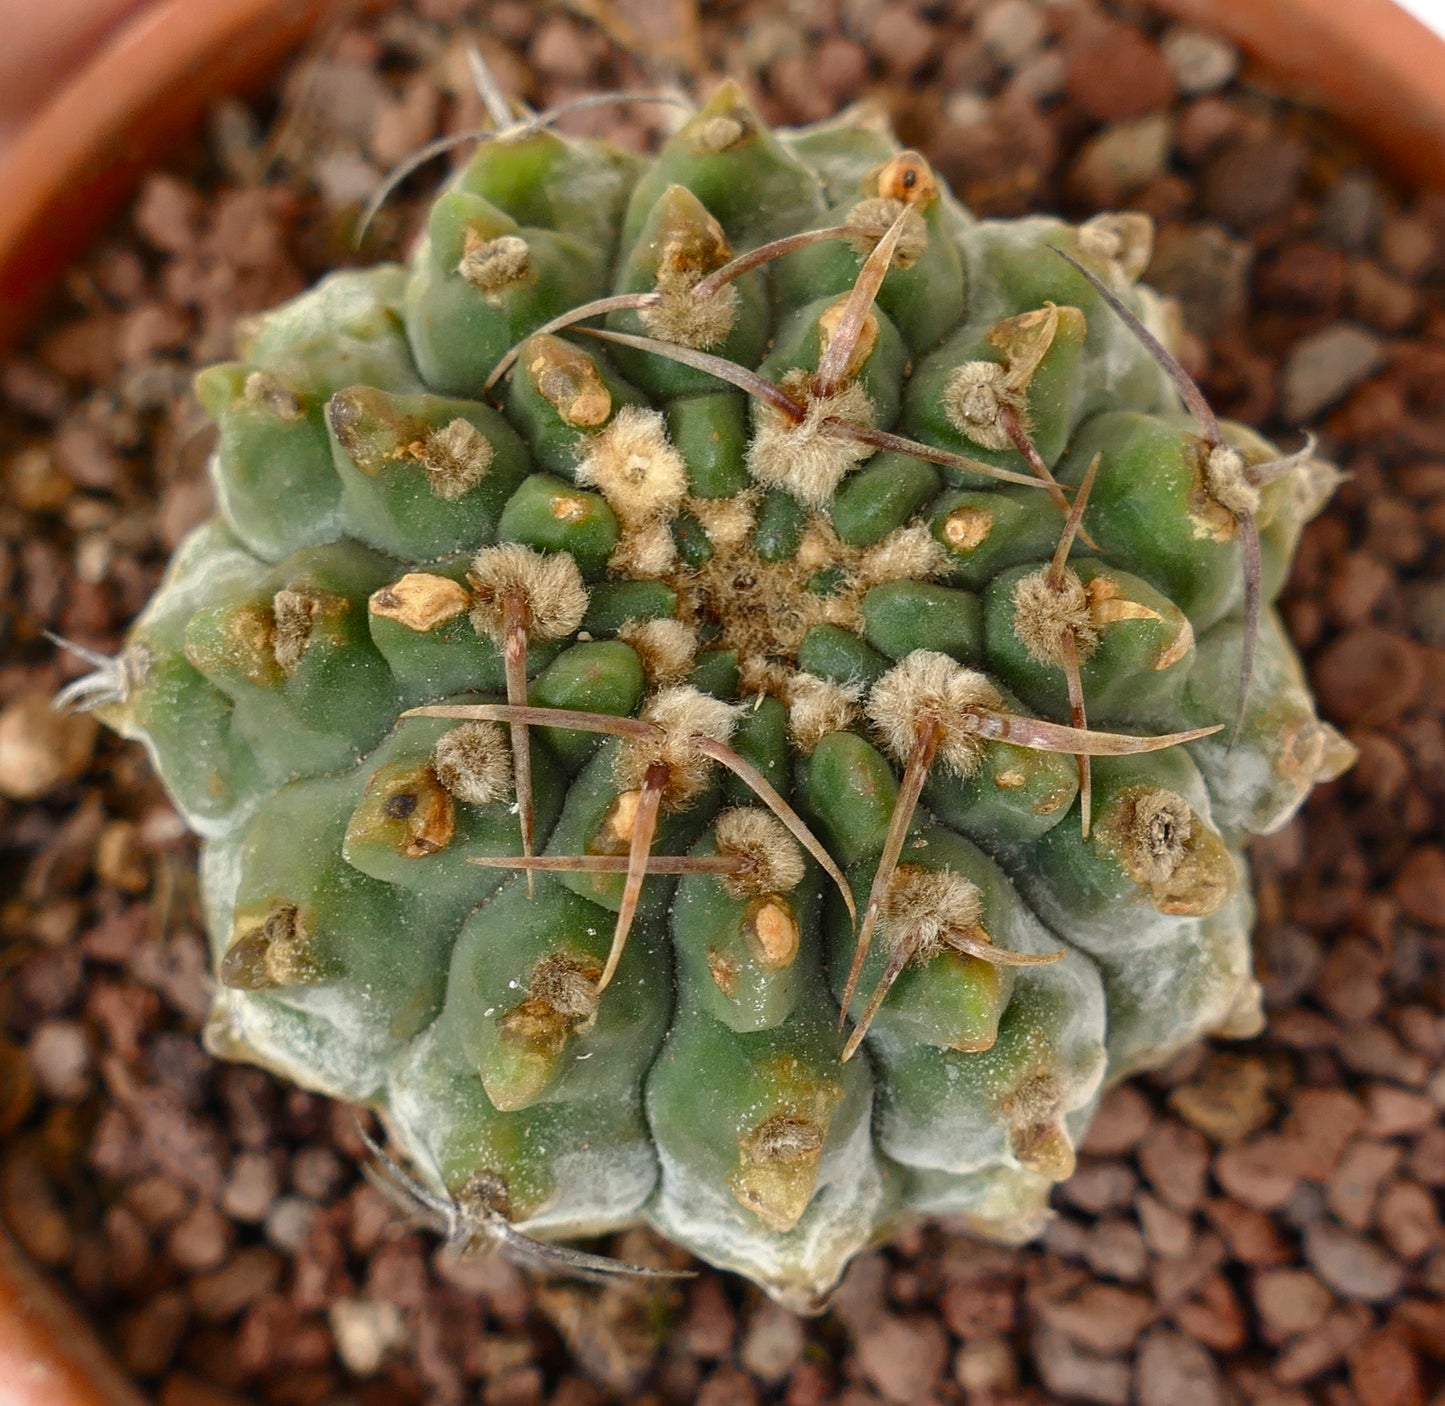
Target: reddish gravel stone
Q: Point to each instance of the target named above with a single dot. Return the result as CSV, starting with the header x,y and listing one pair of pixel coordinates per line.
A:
x,y
903,1357
1352,1266
1419,886
1290,1301
1368,676
1384,1371
1115,72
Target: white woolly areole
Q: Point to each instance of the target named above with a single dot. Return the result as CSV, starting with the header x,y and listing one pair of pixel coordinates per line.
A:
x,y
805,459
474,762
491,264
1227,482
883,210
1044,612
777,862
644,552
634,465
818,706
682,714
974,398
927,904
680,316
550,586
930,688
455,458
908,554
666,648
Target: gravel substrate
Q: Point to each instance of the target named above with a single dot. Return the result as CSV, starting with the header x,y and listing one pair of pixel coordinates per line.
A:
x,y
1260,1222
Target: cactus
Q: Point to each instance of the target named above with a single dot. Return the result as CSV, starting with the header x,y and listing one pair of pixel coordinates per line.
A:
x,y
726,694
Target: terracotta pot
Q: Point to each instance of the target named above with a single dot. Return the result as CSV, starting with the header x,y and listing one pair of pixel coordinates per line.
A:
x,y
146,89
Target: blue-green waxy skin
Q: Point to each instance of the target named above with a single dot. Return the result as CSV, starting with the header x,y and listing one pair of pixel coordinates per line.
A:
x,y
366,943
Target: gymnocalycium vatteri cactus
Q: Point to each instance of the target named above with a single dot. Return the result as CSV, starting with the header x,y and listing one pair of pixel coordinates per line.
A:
x,y
696,596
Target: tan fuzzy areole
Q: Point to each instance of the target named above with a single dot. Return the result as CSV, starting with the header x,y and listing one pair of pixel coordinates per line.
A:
x,y
883,210
922,906
474,763
802,457
665,647
633,464
681,714
1045,610
818,706
975,397
550,587
295,614
492,264
455,458
1124,238
928,688
775,861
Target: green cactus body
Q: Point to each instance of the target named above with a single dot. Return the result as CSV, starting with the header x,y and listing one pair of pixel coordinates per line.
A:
x,y
776,570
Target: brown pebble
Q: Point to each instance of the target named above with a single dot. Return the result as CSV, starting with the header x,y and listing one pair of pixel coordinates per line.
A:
x,y
1384,1371
903,1356
1317,1351
41,748
1115,72
1102,1318
201,1239
1252,1236
1369,676
1352,1266
711,1326
773,1343
247,1275
1123,1118
1409,1221
901,41
1253,180
1257,1173
1068,1371
1214,1316
728,1387
1172,1369
150,1336
1229,1100
1419,886
1175,1159
981,1306
1290,1301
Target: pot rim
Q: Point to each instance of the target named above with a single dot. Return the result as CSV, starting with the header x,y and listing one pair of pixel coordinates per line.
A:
x,y
144,90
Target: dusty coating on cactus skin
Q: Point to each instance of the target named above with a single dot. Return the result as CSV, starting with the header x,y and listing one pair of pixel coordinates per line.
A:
x,y
712,614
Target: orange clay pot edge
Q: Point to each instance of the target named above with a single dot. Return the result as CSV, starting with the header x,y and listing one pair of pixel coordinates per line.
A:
x,y
1370,63
48,1354
74,166
1366,60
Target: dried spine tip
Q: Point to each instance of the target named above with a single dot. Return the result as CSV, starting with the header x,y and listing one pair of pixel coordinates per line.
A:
x,y
1227,481
420,601
491,264
666,647
473,762
774,861
926,690
549,588
1045,609
295,614
681,715
455,458
802,456
634,465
